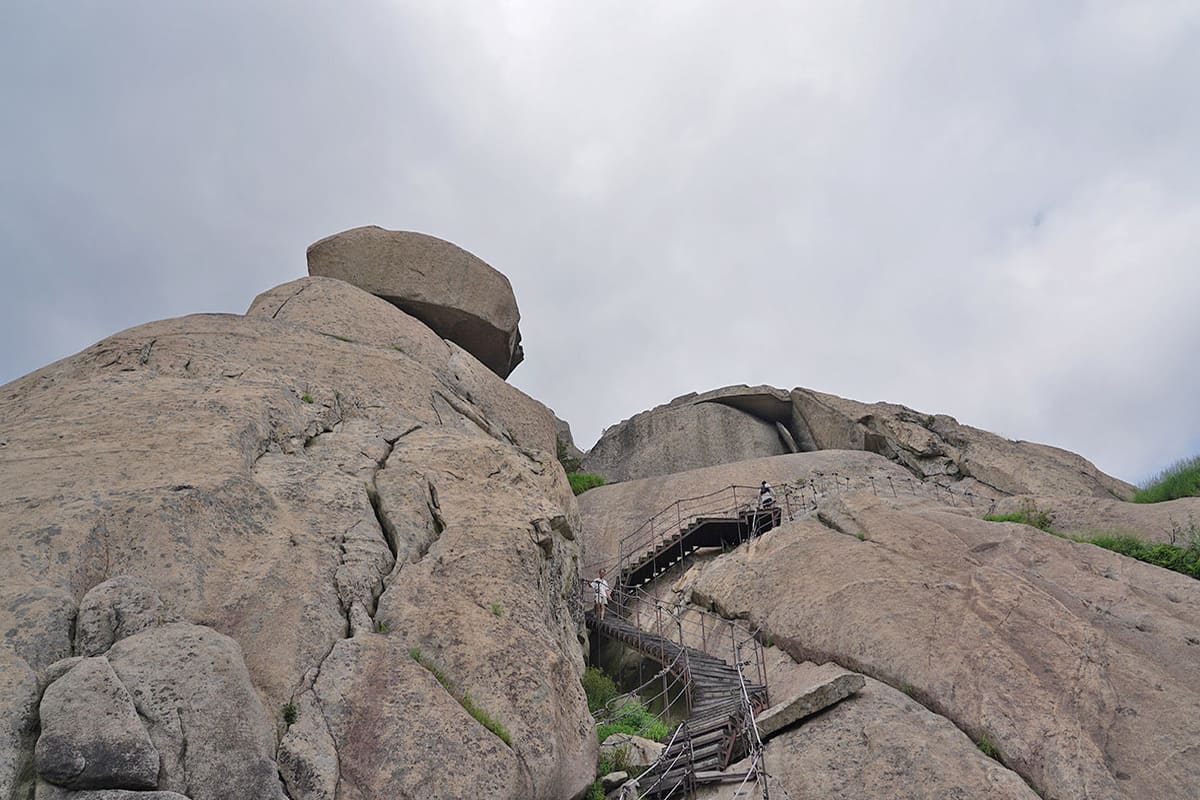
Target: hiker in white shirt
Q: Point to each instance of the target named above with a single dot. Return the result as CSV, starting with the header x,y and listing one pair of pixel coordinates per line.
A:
x,y
766,496
600,591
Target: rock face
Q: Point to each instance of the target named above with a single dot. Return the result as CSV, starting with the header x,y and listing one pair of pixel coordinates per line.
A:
x,y
453,292
1075,663
677,438
230,504
823,692
91,735
880,745
681,436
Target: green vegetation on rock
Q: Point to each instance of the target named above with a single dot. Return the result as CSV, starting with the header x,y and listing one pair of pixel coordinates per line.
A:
x,y
1182,555
1185,560
1181,479
481,716
582,481
634,718
599,688
1028,515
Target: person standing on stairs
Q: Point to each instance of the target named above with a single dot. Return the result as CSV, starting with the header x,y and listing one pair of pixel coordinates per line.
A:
x,y
600,592
766,496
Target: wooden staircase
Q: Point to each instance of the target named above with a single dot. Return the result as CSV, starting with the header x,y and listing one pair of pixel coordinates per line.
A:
x,y
720,698
712,735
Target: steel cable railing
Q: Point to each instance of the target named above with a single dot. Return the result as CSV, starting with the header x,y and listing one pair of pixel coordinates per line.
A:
x,y
795,498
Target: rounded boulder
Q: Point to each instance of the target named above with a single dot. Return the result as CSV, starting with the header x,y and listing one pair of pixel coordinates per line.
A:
x,y
452,291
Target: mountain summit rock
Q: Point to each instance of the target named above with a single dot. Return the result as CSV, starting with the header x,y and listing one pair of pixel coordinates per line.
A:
x,y
452,291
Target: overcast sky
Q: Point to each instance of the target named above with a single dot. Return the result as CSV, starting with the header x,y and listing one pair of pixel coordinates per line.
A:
x,y
986,209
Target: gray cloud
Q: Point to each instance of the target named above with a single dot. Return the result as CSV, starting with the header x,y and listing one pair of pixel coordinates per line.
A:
x,y
988,210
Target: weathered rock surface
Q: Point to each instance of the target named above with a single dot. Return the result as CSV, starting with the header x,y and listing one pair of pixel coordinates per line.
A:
x,y
485,592
675,438
115,609
635,752
19,695
192,688
828,688
398,733
229,466
36,619
878,745
91,735
444,286
686,434
48,791
1076,663
939,447
339,310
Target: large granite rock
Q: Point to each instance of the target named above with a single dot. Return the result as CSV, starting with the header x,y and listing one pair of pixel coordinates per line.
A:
x,y
19,695
115,609
879,745
48,791
91,735
678,437
688,433
940,448
204,716
1075,663
450,290
341,311
227,466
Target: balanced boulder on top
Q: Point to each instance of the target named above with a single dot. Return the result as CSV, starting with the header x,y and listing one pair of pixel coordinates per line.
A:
x,y
453,292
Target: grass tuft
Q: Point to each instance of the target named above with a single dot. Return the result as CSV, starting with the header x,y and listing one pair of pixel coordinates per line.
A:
x,y
1181,479
1028,515
289,714
582,481
987,748
465,700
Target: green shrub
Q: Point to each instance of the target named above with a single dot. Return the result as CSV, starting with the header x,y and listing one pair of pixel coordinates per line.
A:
x,y
1028,515
306,397
634,718
596,792
481,716
289,714
1181,479
598,687
1185,560
498,609
582,481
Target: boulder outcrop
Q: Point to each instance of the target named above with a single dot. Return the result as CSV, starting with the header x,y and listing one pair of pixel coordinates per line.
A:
x,y
228,502
682,435
450,290
675,438
91,735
